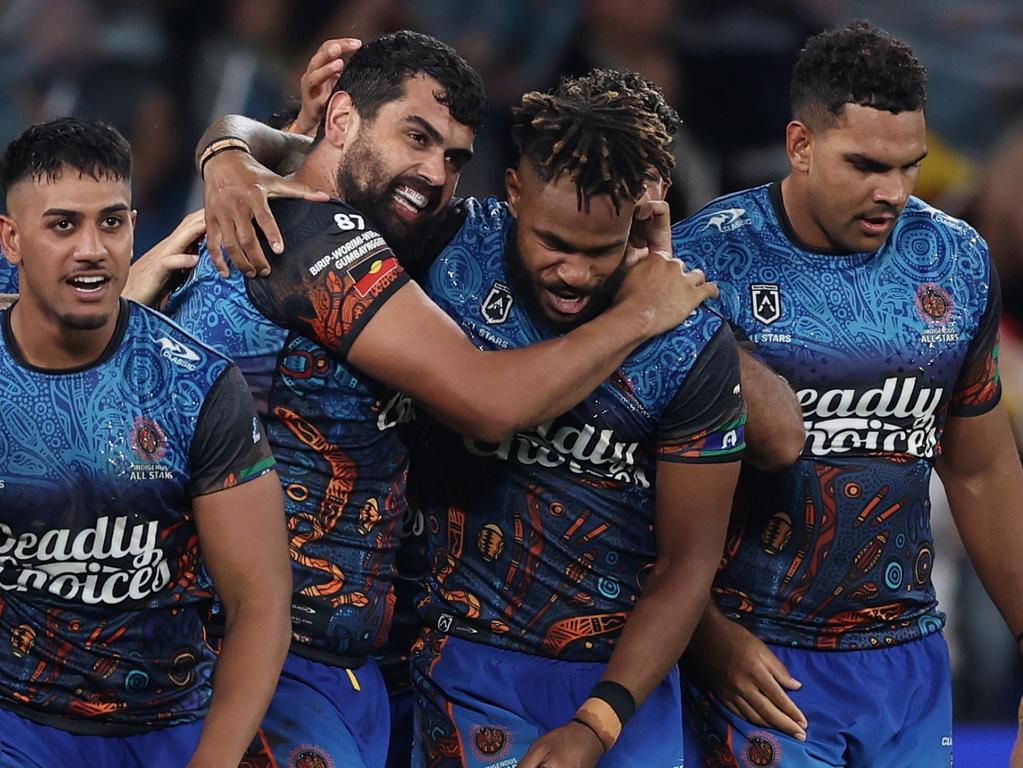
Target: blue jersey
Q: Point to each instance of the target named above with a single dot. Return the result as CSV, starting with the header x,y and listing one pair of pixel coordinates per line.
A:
x,y
101,609
331,427
8,277
546,539
880,347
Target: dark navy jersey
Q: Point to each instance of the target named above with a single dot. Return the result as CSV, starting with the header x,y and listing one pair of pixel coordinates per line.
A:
x,y
546,539
331,427
880,347
101,611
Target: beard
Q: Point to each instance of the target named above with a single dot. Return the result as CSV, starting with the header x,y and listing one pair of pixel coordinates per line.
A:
x,y
364,184
84,322
528,287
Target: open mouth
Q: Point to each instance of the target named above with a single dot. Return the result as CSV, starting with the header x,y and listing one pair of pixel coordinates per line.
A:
x,y
876,225
566,304
410,203
88,284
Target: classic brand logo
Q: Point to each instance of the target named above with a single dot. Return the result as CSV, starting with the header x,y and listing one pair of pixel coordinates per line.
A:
x,y
897,417
728,219
178,353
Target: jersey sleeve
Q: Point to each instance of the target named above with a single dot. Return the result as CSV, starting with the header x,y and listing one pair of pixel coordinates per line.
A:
x,y
335,273
705,421
979,387
229,445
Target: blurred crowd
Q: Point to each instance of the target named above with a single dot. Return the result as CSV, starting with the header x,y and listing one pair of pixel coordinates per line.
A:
x,y
161,70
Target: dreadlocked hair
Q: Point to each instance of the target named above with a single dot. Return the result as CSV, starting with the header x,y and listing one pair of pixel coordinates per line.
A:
x,y
604,139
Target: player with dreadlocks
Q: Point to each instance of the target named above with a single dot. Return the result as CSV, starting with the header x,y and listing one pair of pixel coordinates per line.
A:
x,y
564,583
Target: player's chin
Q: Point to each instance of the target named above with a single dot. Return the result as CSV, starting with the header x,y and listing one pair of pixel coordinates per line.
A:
x,y
86,321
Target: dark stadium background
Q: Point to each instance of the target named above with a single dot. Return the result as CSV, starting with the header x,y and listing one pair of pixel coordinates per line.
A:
x,y
161,70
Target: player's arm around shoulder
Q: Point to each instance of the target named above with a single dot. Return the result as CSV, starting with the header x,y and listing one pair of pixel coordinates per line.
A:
x,y
239,514
412,345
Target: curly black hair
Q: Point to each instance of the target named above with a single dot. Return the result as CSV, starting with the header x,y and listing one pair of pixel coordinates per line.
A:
x,y
44,150
599,129
856,64
377,72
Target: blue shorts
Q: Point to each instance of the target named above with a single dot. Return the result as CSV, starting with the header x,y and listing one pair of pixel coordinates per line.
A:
x,y
324,716
884,708
399,754
26,744
477,705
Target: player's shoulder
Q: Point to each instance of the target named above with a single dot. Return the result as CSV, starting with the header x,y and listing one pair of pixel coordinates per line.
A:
x,y
176,349
685,341
726,216
476,253
920,215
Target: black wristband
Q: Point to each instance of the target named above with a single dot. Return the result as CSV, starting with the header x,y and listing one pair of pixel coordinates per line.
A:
x,y
616,696
593,730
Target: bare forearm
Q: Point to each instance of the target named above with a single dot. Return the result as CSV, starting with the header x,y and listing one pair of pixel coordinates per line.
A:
x,y
774,421
988,512
277,150
517,389
660,627
255,644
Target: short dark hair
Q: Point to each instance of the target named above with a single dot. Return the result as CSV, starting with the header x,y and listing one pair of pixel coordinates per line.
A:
x,y
599,130
43,151
856,64
377,72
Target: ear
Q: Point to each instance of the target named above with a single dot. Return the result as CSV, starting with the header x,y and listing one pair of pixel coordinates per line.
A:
x,y
799,145
340,119
513,190
9,240
134,215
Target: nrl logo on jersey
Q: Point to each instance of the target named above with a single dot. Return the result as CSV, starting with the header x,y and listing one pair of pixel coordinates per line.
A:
x,y
497,306
766,302
728,219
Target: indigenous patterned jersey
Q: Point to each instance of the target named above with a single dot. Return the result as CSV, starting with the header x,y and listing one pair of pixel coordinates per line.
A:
x,y
836,552
101,612
331,427
8,277
547,538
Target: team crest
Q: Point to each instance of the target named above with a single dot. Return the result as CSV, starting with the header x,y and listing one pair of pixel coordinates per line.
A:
x,y
309,756
934,304
762,751
490,742
766,300
497,306
147,440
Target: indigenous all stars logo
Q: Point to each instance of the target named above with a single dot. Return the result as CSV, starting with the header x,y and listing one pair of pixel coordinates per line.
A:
x,y
766,301
934,304
148,441
309,756
490,742
762,751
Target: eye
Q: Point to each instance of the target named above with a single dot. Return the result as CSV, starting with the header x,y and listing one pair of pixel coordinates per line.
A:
x,y
63,225
112,222
418,138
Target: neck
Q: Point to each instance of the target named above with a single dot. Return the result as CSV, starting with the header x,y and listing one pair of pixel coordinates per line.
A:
x,y
45,342
319,173
797,209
